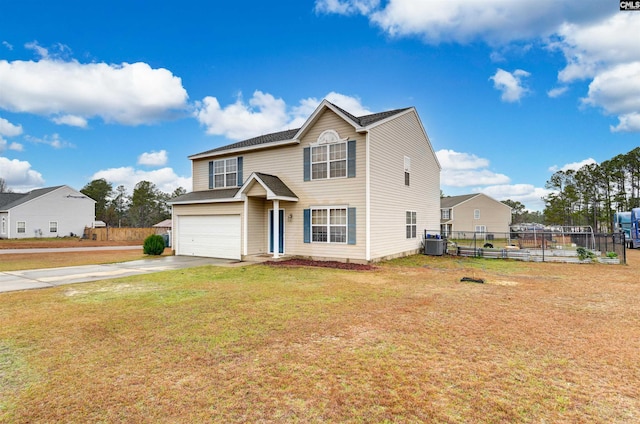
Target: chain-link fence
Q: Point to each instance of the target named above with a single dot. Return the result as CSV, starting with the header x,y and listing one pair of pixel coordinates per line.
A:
x,y
560,244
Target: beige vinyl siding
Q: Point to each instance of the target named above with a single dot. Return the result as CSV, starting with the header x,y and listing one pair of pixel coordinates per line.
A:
x,y
257,225
200,174
390,197
287,164
494,215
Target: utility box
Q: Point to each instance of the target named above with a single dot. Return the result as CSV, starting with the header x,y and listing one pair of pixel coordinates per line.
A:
x,y
434,247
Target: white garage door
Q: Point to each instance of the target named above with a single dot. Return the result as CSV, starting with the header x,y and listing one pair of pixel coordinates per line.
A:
x,y
209,236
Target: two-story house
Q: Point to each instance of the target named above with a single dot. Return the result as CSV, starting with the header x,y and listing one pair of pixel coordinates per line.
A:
x,y
340,187
474,213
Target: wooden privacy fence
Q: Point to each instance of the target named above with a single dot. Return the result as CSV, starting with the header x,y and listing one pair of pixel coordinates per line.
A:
x,y
118,234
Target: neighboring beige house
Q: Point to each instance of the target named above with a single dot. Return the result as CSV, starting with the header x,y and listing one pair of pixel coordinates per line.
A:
x,y
342,187
45,212
473,212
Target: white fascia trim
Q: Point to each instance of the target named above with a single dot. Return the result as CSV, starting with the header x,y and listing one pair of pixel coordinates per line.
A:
x,y
283,198
390,118
244,149
200,202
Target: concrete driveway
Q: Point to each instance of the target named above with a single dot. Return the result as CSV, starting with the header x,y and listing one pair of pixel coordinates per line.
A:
x,y
52,277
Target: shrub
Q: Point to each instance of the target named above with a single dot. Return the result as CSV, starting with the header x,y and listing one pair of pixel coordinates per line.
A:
x,y
585,254
612,255
153,245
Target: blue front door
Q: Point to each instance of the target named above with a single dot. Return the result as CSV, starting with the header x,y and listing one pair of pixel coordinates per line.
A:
x,y
280,232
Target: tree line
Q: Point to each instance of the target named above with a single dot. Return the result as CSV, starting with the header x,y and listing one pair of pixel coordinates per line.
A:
x,y
593,193
146,206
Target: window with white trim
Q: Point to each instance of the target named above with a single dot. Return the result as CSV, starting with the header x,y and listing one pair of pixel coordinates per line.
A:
x,y
225,173
3,229
476,214
329,225
53,226
481,229
407,170
411,223
329,161
445,213
21,227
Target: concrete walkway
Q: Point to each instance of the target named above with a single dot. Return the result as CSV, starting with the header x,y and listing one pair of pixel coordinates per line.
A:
x,y
66,249
53,277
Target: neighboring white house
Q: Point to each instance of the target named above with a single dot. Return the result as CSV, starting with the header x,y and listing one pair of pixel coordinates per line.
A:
x,y
46,212
474,212
342,187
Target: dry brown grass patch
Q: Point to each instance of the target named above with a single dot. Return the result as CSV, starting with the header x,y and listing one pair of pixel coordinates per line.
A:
x,y
535,343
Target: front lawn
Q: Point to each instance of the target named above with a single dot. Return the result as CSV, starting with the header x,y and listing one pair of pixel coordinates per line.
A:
x,y
406,342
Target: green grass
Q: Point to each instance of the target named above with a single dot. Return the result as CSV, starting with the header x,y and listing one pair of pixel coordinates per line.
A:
x,y
407,342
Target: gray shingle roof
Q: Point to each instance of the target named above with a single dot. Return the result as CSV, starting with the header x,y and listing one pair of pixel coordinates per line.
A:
x,y
15,199
365,120
198,196
451,201
263,139
8,198
362,121
276,185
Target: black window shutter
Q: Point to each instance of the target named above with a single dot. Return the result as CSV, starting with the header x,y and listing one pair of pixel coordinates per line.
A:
x,y
351,226
239,168
210,174
307,226
307,163
351,159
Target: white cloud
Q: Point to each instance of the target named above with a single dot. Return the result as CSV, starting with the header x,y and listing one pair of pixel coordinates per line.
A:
x,y
617,91
71,120
494,21
153,158
451,159
346,7
527,194
510,84
8,45
5,145
71,92
466,170
573,165
8,129
264,114
18,175
593,47
595,38
37,49
629,122
54,141
165,179
557,92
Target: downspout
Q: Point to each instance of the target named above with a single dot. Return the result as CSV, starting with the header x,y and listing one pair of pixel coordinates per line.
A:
x,y
245,224
276,229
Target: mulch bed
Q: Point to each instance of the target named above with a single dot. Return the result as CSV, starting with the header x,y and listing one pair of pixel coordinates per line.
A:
x,y
323,264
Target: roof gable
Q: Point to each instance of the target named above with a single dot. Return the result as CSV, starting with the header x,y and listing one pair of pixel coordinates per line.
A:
x,y
276,189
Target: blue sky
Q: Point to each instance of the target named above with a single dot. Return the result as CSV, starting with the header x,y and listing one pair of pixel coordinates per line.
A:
x,y
508,91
